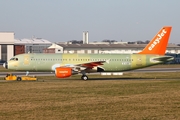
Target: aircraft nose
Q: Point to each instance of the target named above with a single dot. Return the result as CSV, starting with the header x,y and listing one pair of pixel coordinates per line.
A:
x,y
5,65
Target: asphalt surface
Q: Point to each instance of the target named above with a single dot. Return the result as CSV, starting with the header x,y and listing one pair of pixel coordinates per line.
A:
x,y
157,70
3,74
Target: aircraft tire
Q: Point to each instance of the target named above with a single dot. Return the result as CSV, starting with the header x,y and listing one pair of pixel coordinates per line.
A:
x,y
84,77
18,78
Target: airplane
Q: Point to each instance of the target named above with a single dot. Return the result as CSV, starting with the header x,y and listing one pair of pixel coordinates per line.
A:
x,y
68,64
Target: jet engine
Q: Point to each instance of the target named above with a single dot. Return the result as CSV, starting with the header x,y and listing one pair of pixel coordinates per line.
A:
x,y
63,72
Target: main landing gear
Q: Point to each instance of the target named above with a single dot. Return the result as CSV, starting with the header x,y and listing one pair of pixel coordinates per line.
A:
x,y
84,77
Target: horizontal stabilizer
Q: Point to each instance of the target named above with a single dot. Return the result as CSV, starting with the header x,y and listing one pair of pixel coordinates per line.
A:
x,y
164,58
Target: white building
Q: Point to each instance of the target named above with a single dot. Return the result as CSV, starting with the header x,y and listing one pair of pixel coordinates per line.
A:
x,y
6,45
10,46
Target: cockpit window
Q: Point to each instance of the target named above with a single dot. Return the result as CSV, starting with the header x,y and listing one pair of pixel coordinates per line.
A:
x,y
14,59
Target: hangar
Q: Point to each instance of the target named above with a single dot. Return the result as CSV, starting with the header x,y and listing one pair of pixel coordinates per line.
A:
x,y
104,48
31,45
9,46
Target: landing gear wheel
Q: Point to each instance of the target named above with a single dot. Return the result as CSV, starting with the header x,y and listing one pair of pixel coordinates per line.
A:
x,y
18,78
84,77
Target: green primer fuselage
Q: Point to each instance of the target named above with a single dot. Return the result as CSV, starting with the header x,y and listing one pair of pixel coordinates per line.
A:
x,y
114,62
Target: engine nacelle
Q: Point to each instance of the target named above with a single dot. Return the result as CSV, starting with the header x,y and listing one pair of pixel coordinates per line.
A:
x,y
63,72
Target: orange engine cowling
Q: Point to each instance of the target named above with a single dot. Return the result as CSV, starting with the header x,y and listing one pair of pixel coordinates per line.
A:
x,y
63,72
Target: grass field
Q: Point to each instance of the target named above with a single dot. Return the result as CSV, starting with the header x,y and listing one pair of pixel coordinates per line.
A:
x,y
154,96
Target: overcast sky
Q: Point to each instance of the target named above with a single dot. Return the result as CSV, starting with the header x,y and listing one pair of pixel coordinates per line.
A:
x,y
64,20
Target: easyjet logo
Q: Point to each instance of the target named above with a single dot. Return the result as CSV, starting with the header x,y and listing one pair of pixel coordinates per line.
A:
x,y
157,40
63,72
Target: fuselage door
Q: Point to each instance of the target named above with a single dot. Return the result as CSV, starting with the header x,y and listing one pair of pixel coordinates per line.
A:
x,y
26,59
139,60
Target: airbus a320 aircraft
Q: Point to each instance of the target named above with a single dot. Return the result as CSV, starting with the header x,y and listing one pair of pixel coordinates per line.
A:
x,y
66,65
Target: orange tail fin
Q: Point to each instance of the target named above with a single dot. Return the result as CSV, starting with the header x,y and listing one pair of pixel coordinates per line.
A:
x,y
159,43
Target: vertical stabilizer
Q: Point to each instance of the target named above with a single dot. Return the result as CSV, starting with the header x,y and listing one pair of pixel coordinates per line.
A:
x,y
159,43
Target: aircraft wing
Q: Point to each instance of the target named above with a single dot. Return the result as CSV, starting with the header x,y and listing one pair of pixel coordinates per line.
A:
x,y
83,66
91,64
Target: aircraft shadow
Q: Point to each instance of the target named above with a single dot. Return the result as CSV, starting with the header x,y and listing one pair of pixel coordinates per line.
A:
x,y
120,78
